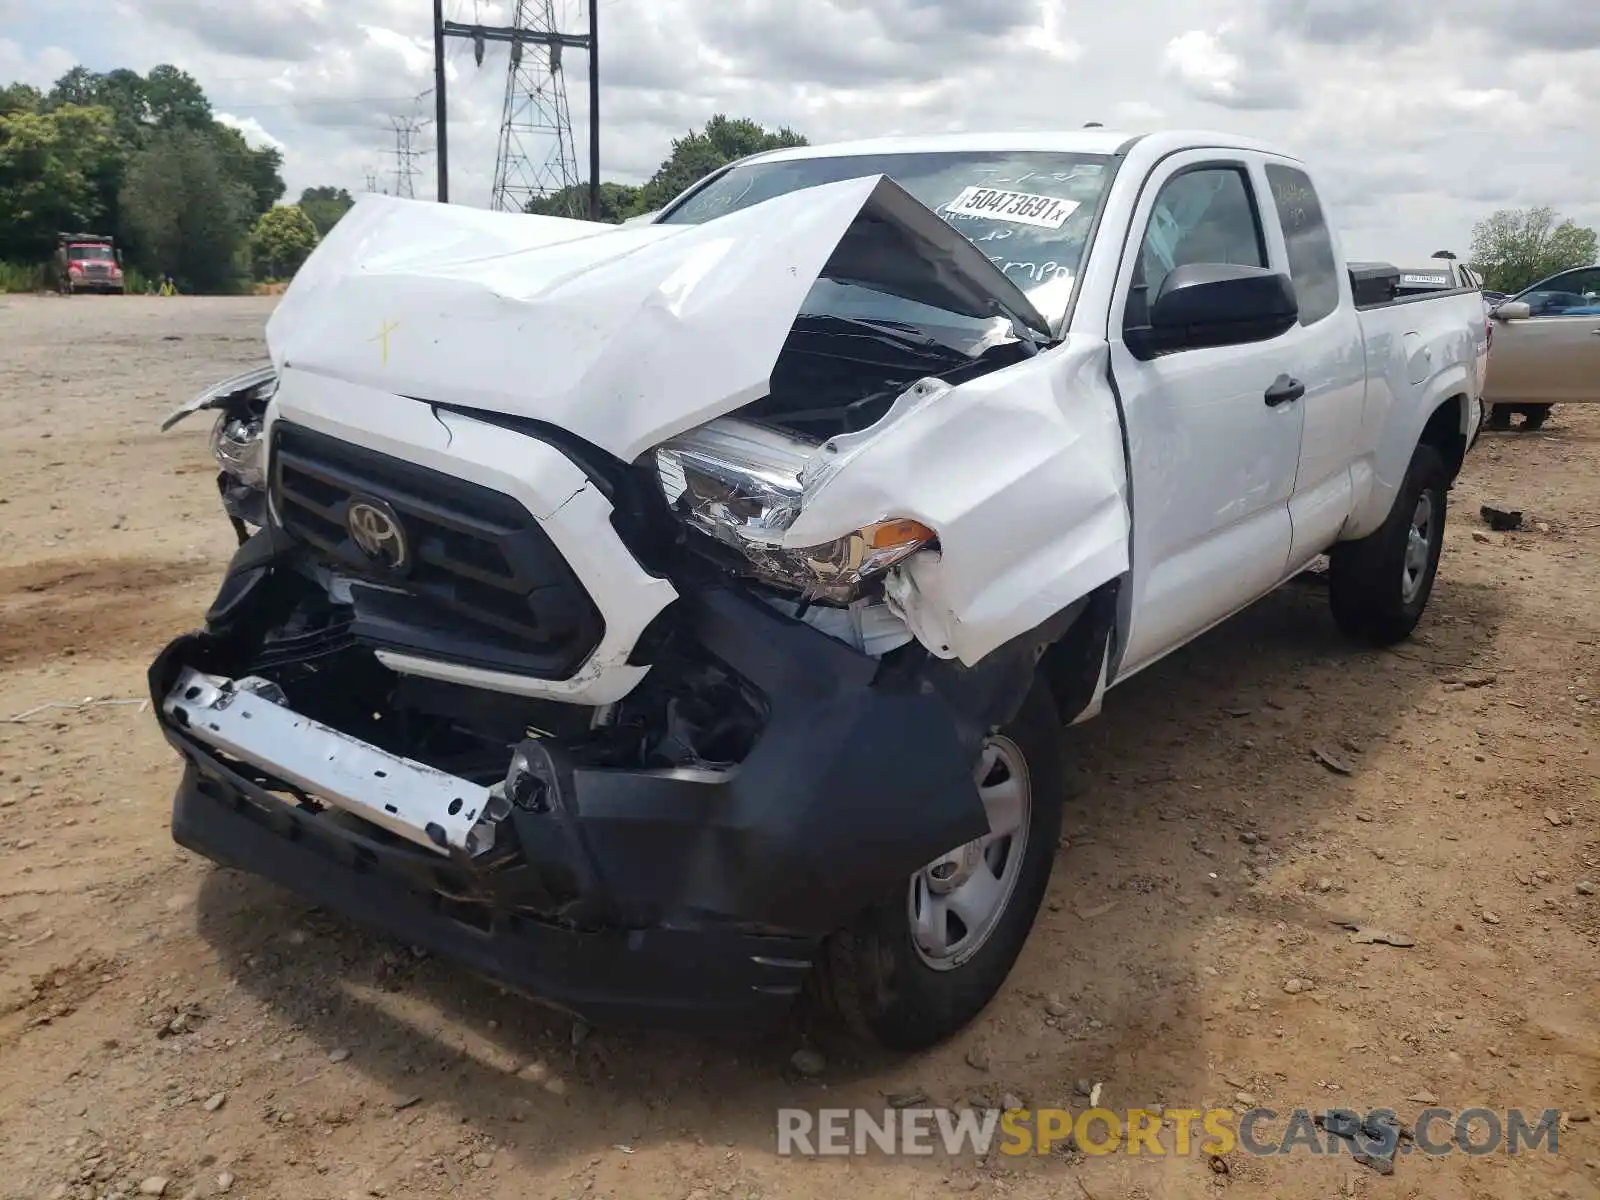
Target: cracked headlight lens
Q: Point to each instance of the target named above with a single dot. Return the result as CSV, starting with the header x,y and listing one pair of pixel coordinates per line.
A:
x,y
236,444
742,485
241,403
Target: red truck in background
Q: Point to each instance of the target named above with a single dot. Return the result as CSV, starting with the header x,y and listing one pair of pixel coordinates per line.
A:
x,y
88,262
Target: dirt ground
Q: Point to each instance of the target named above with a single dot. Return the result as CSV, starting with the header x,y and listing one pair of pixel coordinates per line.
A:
x,y
161,1019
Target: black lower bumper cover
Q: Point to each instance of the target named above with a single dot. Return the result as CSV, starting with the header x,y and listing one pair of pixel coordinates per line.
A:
x,y
711,896
682,978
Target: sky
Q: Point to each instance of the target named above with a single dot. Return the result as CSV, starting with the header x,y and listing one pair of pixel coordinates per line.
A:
x,y
1419,117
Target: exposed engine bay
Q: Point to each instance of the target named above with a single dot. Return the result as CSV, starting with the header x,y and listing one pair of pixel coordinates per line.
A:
x,y
689,712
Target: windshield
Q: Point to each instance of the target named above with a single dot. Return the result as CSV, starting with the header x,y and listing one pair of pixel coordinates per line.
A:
x,y
90,253
1029,211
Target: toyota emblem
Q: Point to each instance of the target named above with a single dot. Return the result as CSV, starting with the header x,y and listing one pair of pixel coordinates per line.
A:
x,y
376,530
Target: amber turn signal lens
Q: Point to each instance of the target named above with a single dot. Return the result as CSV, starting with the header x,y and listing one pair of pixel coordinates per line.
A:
x,y
899,532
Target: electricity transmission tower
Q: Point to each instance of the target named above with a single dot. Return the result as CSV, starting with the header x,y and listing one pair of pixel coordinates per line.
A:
x,y
405,156
536,156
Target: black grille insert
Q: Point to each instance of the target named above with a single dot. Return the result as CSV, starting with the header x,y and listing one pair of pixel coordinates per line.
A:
x,y
484,585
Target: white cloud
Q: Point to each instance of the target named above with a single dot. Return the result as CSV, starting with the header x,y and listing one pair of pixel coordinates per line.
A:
x,y
1418,118
1137,115
1228,66
37,65
254,133
1201,64
1049,35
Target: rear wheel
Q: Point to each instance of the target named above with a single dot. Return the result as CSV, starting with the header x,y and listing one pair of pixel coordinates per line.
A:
x,y
919,966
1499,418
1379,586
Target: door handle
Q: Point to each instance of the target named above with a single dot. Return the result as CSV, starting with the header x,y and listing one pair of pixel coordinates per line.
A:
x,y
1284,389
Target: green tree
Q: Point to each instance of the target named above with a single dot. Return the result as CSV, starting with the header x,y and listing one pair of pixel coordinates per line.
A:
x,y
182,210
257,169
174,98
50,169
1513,248
19,97
168,98
696,155
283,238
617,201
78,86
122,92
325,205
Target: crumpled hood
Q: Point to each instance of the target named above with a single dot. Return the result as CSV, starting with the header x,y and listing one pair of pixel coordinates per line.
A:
x,y
624,336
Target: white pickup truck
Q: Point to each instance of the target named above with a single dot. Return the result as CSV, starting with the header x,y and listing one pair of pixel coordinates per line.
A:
x,y
666,619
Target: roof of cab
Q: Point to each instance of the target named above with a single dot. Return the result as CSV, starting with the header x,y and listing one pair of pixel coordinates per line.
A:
x,y
1076,141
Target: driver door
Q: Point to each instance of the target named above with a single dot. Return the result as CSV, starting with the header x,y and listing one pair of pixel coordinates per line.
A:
x,y
1214,461
1553,355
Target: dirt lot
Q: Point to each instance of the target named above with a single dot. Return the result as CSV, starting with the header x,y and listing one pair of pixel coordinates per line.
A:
x,y
159,1018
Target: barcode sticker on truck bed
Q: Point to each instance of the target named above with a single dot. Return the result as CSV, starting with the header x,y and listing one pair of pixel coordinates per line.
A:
x,y
1022,208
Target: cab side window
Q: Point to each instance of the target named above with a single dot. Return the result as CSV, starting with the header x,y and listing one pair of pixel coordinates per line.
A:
x,y
1312,265
1204,215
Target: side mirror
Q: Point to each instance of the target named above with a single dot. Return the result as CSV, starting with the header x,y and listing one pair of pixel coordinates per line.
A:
x,y
1512,310
118,254
1216,304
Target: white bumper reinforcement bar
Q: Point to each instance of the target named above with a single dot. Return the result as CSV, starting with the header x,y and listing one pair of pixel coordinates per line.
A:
x,y
247,720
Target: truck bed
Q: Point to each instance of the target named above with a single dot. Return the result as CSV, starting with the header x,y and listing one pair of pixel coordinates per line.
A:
x,y
1421,351
1376,285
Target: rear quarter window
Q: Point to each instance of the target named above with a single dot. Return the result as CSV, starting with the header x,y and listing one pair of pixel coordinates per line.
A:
x,y
1312,265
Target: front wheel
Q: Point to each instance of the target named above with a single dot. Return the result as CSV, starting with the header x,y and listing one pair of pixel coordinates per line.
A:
x,y
1535,415
1379,586
919,966
1499,418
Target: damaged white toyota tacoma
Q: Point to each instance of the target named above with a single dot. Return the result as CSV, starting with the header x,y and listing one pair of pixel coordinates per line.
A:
x,y
668,619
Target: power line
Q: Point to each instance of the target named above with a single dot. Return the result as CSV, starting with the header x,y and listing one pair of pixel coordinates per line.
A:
x,y
225,106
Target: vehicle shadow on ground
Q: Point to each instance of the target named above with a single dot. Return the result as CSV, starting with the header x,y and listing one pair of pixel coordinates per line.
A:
x,y
1218,741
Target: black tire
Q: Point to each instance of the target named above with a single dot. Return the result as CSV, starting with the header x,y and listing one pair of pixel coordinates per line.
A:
x,y
1535,415
1368,579
1499,418
872,975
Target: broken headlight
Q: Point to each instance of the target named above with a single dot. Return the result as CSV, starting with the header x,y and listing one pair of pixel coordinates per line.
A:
x,y
236,436
236,444
743,485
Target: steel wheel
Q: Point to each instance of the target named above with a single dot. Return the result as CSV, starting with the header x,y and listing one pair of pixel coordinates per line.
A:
x,y
955,902
1419,538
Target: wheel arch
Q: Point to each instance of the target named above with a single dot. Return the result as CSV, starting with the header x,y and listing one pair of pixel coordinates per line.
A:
x,y
1069,653
1447,429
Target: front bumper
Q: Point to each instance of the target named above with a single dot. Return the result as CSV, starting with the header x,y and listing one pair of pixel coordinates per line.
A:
x,y
683,978
665,896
